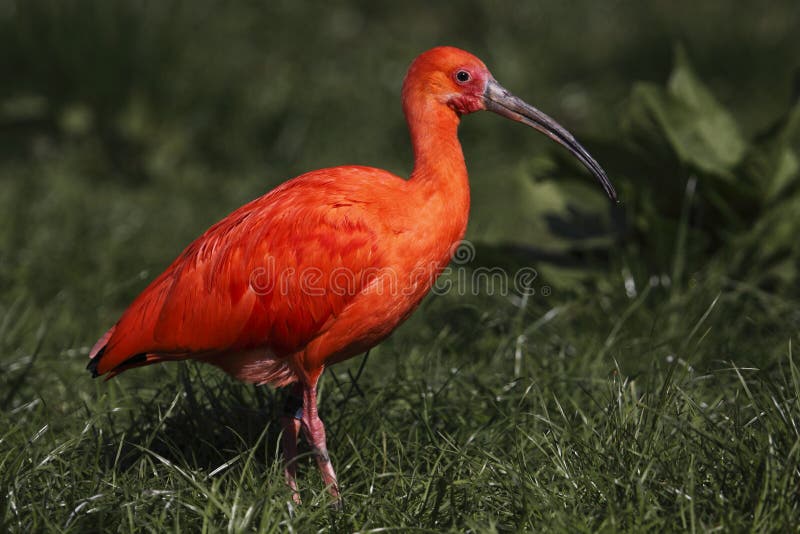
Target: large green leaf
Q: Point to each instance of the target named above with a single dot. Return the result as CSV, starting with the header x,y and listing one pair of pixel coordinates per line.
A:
x,y
772,161
692,122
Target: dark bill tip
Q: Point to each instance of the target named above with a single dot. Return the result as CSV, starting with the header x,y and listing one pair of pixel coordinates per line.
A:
x,y
500,101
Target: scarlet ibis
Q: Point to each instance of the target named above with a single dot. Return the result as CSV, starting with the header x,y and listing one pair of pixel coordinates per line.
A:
x,y
328,264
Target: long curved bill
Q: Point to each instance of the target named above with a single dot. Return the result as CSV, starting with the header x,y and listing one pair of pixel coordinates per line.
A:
x,y
500,101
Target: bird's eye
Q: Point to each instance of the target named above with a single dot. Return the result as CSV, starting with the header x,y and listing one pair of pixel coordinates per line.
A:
x,y
463,76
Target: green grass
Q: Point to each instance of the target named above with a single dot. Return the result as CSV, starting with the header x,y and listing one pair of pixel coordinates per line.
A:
x,y
651,384
610,414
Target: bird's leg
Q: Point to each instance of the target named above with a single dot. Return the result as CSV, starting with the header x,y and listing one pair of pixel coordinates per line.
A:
x,y
290,421
315,434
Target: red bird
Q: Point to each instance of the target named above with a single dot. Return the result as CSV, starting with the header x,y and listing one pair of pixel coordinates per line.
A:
x,y
328,264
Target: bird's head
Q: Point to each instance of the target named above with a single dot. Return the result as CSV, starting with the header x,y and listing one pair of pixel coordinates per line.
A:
x,y
456,79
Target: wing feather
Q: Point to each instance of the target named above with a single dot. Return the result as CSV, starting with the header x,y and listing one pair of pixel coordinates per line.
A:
x,y
270,275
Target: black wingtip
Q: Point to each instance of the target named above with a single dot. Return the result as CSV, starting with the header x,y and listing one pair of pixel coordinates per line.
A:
x,y
133,360
92,365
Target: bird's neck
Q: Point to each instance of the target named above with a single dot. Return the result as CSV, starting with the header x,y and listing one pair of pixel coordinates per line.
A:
x,y
434,136
440,173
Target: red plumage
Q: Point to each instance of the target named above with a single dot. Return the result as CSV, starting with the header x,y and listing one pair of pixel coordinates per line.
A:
x,y
260,279
329,263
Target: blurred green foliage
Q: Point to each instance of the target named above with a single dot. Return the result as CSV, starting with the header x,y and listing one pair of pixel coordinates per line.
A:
x,y
204,105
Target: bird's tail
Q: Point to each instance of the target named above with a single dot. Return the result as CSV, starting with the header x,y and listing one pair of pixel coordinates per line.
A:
x,y
114,364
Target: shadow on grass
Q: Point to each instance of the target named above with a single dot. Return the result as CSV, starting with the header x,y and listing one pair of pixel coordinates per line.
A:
x,y
200,423
204,420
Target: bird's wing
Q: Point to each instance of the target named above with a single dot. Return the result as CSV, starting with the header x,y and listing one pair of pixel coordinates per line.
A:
x,y
271,274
